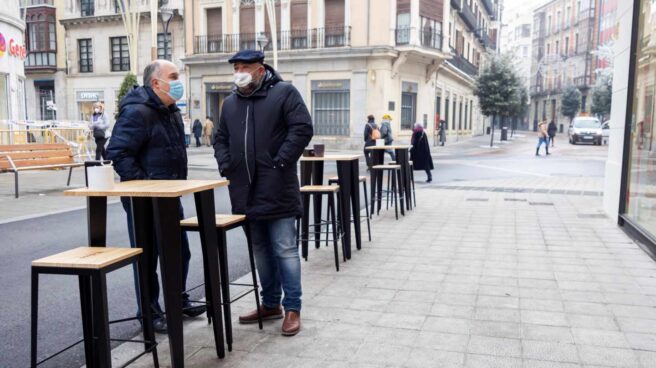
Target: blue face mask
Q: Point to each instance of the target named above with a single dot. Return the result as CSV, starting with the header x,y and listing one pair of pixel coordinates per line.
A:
x,y
176,89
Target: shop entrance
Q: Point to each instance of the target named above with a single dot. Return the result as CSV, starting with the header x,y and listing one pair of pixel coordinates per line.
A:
x,y
214,98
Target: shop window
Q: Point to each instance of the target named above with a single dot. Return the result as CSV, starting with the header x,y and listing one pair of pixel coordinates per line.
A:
x,y
408,105
331,107
120,56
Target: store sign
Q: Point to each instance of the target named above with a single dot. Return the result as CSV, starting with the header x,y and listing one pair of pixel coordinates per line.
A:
x,y
332,85
90,95
14,48
219,87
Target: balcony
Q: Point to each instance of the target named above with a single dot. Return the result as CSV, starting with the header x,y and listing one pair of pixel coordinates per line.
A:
x,y
26,3
456,4
463,64
468,17
288,40
584,81
428,37
489,7
38,61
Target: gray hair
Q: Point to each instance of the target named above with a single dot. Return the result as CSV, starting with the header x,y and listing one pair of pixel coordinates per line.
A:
x,y
152,70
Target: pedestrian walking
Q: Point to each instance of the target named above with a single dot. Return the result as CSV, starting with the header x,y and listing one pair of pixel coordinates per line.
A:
x,y
371,133
187,130
551,131
263,130
198,131
99,126
443,127
208,130
420,152
542,138
386,134
148,144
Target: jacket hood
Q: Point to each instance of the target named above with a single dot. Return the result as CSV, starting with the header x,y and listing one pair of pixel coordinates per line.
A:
x,y
270,78
142,95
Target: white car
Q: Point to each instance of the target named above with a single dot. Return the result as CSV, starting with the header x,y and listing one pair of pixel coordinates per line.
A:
x,y
585,129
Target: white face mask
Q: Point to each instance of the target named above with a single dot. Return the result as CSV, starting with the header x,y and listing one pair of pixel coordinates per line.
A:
x,y
243,79
97,110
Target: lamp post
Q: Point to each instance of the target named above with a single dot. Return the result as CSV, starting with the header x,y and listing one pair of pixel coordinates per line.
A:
x,y
167,14
262,41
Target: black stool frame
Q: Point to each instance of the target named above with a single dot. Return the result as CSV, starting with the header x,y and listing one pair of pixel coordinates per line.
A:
x,y
95,320
333,219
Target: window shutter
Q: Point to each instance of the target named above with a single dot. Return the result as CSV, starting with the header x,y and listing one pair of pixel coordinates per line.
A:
x,y
299,14
402,6
214,22
431,9
247,19
334,13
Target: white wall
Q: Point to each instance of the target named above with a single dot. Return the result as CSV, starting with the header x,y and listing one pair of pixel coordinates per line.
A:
x,y
622,50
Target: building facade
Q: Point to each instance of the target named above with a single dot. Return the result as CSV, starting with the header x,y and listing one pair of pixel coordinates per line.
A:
x,y
413,59
564,36
12,55
45,65
97,51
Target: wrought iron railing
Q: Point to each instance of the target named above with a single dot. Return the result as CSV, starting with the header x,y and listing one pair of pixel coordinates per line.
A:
x,y
463,64
428,37
287,40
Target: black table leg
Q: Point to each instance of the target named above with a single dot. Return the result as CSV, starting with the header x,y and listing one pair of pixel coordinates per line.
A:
x,y
317,179
378,158
97,221
167,229
306,179
402,157
344,173
355,200
225,285
207,230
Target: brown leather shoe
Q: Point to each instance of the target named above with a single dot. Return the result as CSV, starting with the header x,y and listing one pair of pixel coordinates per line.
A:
x,y
292,323
251,317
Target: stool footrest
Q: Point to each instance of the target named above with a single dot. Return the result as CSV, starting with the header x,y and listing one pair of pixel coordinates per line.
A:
x,y
59,352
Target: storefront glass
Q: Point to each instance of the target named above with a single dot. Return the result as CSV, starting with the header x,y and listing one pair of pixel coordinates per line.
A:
x,y
641,196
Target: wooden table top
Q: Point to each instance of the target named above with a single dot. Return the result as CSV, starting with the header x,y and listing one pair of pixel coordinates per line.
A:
x,y
331,158
150,188
388,147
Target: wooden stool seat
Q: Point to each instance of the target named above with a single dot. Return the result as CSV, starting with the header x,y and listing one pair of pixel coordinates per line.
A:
x,y
222,221
87,257
387,167
361,179
319,188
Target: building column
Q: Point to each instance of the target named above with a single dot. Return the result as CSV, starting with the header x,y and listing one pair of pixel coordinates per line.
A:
x,y
358,109
414,22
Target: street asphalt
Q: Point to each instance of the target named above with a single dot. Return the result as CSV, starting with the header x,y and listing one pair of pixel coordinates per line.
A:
x,y
59,313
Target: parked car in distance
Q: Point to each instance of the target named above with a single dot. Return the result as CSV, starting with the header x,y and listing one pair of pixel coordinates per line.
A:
x,y
585,129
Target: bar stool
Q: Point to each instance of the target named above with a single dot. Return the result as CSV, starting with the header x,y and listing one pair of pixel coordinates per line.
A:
x,y
412,181
91,265
363,180
394,193
330,191
224,223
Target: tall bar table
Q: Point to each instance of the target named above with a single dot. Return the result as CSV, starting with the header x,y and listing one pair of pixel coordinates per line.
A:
x,y
348,175
402,153
156,205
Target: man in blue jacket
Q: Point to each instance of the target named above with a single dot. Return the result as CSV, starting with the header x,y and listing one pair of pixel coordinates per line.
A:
x,y
263,129
148,144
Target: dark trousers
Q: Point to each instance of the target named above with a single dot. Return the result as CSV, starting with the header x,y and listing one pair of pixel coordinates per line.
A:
x,y
367,153
197,140
153,279
429,175
101,153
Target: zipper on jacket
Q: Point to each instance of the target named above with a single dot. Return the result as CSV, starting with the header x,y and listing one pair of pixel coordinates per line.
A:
x,y
248,171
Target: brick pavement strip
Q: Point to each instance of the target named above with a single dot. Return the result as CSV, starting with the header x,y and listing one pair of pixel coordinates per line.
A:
x,y
495,283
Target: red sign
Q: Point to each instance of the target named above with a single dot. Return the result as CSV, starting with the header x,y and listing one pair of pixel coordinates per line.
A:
x,y
15,49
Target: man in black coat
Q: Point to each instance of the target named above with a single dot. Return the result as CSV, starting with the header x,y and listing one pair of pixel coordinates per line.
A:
x,y
263,129
148,143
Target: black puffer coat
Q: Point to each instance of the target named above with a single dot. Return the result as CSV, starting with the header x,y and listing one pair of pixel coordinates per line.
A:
x,y
148,139
257,144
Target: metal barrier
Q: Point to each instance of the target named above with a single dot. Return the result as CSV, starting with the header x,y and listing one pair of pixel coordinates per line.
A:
x,y
76,134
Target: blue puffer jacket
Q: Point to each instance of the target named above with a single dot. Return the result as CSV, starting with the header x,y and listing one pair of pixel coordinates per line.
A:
x,y
148,139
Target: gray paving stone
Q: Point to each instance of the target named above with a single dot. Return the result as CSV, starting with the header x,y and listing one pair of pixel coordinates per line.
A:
x,y
544,318
447,324
490,361
495,329
593,322
382,354
447,310
497,301
637,324
641,341
442,341
647,359
421,358
546,333
608,356
497,314
528,363
401,320
390,336
552,351
546,305
486,345
614,339
587,308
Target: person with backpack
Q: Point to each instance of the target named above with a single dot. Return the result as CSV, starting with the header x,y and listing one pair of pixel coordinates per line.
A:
x,y
371,133
420,152
386,134
99,126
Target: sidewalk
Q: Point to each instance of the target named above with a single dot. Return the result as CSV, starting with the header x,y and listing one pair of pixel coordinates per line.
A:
x,y
467,279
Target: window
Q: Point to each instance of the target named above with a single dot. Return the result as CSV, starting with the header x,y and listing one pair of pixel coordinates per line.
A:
x,y
120,54
403,28
446,110
566,50
85,54
87,8
460,117
408,105
331,107
41,39
466,115
164,54
453,123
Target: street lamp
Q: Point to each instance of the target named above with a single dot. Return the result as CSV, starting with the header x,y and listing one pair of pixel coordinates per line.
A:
x,y
166,14
262,41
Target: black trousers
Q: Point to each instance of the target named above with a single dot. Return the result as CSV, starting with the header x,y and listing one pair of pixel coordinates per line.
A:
x,y
101,153
197,140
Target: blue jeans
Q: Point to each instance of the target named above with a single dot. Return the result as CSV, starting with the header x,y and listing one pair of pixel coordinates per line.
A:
x,y
153,279
542,140
278,262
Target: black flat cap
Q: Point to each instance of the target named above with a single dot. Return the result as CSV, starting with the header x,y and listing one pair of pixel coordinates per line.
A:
x,y
247,56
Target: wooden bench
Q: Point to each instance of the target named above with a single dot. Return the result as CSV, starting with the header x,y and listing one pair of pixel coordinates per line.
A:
x,y
22,157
